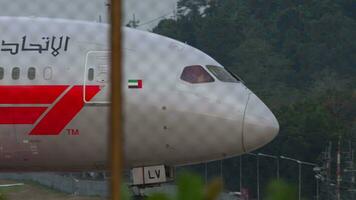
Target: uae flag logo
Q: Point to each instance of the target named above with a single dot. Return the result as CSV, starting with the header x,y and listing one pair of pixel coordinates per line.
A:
x,y
135,84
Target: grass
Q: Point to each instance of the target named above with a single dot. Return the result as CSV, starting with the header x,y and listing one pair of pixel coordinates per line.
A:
x,y
43,187
5,190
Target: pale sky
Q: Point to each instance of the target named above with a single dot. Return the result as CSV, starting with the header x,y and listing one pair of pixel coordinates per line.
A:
x,y
90,10
147,10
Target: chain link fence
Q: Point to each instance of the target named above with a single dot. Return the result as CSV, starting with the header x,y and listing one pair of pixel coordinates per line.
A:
x,y
201,84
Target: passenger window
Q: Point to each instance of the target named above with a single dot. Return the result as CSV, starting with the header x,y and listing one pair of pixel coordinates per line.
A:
x,y
47,73
15,73
221,74
196,74
91,74
1,73
31,74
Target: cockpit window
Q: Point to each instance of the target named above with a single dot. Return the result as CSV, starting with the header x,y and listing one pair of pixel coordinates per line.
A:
x,y
1,73
222,74
196,74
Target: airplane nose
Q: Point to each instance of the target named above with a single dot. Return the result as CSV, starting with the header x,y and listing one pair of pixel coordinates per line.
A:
x,y
260,125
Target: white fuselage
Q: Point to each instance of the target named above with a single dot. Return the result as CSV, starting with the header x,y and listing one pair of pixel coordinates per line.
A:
x,y
58,119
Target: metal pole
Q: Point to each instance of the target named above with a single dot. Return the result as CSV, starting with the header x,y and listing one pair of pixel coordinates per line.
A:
x,y
300,171
221,169
328,170
277,169
206,173
258,178
257,173
240,173
300,180
274,157
338,168
317,188
116,128
353,174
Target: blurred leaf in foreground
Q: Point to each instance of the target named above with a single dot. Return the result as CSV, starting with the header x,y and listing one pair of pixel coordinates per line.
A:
x,y
281,190
190,187
214,189
159,196
125,192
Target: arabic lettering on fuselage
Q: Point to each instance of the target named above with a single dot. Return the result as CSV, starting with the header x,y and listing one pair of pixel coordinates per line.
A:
x,y
49,44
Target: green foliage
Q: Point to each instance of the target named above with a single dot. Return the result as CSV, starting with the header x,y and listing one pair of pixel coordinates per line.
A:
x,y
214,189
302,37
159,196
2,197
125,192
281,190
190,187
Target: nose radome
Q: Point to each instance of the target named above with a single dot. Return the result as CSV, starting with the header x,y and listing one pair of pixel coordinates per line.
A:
x,y
260,125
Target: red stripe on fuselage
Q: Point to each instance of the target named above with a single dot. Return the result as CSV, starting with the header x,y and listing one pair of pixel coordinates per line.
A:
x,y
64,111
20,115
35,94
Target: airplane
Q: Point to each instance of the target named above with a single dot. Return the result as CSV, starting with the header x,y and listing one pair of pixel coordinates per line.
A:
x,y
180,105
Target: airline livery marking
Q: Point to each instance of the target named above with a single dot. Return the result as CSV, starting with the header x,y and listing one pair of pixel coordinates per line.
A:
x,y
20,115
48,44
57,117
39,94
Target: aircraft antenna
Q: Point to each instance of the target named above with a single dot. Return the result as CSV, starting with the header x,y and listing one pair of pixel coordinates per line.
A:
x,y
133,23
